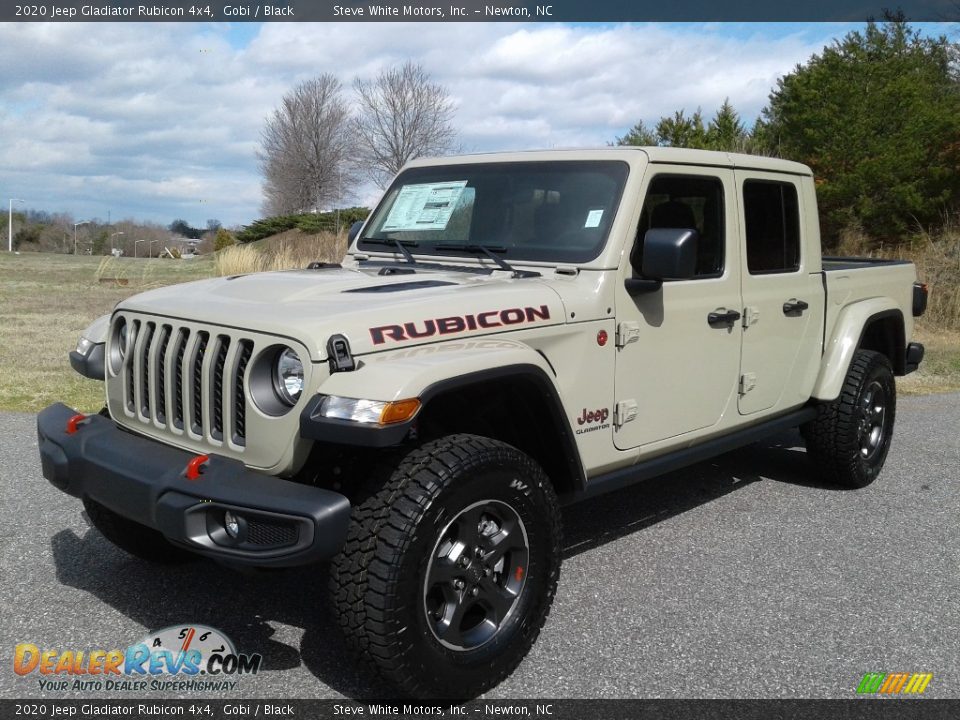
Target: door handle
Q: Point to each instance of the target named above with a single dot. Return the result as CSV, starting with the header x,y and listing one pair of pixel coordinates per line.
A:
x,y
794,307
719,319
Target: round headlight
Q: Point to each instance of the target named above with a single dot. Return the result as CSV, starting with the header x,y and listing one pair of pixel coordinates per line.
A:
x,y
122,336
118,345
288,376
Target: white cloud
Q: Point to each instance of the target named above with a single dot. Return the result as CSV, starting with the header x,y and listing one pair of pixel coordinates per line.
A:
x,y
160,121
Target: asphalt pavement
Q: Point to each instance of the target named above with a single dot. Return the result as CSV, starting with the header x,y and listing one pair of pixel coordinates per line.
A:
x,y
742,577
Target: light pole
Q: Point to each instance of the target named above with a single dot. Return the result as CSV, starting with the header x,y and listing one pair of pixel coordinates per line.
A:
x,y
112,236
75,226
151,246
10,223
135,243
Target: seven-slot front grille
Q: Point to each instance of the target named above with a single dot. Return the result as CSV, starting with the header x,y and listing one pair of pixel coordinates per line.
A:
x,y
187,380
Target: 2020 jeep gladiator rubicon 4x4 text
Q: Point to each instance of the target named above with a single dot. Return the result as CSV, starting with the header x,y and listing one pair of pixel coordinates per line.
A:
x,y
508,332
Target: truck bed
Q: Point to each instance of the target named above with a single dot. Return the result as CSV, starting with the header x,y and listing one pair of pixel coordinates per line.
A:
x,y
849,280
836,262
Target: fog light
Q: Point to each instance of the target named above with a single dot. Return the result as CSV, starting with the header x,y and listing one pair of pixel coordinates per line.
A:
x,y
232,525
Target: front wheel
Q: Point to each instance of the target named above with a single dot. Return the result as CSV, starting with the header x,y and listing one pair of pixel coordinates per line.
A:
x,y
849,439
450,569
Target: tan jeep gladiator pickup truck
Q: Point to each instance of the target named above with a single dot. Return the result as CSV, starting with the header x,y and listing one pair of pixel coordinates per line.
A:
x,y
508,332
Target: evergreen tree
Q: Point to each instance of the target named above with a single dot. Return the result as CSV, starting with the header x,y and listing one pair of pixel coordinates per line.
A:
x,y
639,134
682,131
876,115
726,131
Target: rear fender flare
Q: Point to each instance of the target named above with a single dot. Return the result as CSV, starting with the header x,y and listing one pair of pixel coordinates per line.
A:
x,y
847,337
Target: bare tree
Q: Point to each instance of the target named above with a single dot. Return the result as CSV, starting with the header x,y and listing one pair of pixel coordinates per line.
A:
x,y
401,115
306,149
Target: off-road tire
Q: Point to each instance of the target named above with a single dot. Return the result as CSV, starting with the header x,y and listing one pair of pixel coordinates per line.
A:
x,y
134,538
381,580
849,439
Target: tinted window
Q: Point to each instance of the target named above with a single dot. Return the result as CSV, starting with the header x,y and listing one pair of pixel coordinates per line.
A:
x,y
687,202
542,211
773,226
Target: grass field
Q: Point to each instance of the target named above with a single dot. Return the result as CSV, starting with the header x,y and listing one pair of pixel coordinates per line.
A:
x,y
47,300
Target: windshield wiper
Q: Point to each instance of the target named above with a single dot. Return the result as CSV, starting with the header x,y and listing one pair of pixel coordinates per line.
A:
x,y
489,251
397,243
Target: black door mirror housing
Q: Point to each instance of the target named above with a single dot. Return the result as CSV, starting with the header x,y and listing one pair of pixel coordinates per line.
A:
x,y
668,254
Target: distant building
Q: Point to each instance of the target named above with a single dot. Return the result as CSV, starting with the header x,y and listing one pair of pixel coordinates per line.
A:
x,y
186,246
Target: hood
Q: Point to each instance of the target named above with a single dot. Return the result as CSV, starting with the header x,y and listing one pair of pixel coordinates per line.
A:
x,y
374,312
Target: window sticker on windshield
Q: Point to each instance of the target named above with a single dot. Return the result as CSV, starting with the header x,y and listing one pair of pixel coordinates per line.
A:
x,y
424,207
593,218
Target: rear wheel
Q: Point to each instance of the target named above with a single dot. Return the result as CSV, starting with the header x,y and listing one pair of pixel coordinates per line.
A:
x,y
849,439
450,569
134,538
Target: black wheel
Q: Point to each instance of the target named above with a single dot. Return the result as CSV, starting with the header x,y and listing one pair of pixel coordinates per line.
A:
x,y
449,570
849,439
134,538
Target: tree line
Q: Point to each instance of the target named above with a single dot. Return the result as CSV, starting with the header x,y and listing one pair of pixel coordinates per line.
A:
x,y
41,231
876,116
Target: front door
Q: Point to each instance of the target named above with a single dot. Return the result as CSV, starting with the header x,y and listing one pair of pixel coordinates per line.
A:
x,y
677,365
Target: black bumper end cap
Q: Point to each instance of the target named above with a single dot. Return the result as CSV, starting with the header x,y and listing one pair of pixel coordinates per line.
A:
x,y
54,465
914,357
91,365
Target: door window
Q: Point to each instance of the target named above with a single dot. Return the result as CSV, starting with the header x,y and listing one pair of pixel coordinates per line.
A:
x,y
686,202
772,217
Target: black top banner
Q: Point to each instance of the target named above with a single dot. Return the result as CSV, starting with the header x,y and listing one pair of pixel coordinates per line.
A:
x,y
481,11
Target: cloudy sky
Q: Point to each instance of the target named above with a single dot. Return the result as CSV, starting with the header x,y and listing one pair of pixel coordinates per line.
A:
x,y
160,121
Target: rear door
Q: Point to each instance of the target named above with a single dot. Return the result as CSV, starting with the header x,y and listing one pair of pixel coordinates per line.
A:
x,y
782,295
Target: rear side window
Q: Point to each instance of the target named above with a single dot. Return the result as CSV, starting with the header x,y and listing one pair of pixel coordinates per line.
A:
x,y
772,216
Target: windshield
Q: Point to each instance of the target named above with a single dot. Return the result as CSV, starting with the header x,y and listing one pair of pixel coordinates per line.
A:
x,y
539,211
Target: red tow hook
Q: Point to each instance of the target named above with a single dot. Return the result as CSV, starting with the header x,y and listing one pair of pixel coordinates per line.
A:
x,y
74,422
195,466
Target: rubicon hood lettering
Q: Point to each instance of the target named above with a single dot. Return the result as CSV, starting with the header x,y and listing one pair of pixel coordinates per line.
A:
x,y
418,329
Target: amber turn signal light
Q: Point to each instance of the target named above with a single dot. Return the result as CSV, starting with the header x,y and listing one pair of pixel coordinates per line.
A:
x,y
399,411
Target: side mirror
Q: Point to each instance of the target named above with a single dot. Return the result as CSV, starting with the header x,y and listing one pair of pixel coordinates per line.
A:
x,y
354,231
668,254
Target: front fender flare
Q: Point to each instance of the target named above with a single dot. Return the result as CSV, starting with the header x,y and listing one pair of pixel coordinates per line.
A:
x,y
427,371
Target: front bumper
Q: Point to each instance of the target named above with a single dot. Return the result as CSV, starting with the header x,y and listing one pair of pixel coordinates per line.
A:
x,y
282,523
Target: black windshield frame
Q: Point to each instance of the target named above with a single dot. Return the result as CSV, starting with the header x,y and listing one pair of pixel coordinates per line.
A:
x,y
504,204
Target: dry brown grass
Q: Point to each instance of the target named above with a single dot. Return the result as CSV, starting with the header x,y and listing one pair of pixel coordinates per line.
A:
x,y
937,258
286,251
940,369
